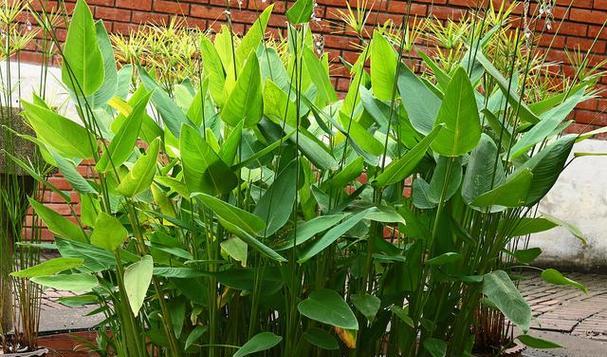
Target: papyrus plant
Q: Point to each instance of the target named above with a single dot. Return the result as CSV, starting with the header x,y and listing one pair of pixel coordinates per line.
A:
x,y
232,218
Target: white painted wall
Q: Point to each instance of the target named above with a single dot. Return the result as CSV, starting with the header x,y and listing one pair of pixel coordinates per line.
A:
x,y
578,197
29,82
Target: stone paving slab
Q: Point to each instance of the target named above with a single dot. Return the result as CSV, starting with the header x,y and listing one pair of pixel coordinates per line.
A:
x,y
57,317
566,309
567,316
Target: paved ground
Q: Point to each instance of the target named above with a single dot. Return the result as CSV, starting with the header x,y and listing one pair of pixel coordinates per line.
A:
x,y
569,317
57,317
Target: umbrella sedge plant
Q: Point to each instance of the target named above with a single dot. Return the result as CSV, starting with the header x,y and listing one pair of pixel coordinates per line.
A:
x,y
231,220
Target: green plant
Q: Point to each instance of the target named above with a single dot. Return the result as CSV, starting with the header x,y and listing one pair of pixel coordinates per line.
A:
x,y
20,301
233,218
168,50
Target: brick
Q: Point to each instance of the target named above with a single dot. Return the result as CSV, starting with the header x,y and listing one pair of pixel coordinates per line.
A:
x,y
172,7
600,4
142,17
100,2
587,16
135,4
207,12
108,13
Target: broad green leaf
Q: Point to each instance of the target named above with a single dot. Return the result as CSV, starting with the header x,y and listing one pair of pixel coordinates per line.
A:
x,y
121,146
446,179
331,236
366,304
313,148
195,335
236,248
403,315
68,282
263,341
90,206
555,277
149,128
251,41
459,113
177,312
252,241
509,90
546,167
511,193
261,153
82,69
527,225
484,171
320,77
58,224
276,205
137,279
405,166
421,103
309,229
141,175
247,221
361,137
173,184
435,347
78,300
442,77
68,138
109,233
224,45
204,171
573,229
272,67
384,214
179,273
244,104
71,174
499,290
498,128
196,111
346,175
110,77
277,105
49,267
300,12
535,342
383,67
421,194
230,146
321,339
549,121
269,279
445,258
548,103
527,256
328,307
213,69
95,259
171,114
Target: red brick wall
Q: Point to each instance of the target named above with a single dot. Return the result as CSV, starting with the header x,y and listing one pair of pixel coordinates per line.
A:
x,y
582,21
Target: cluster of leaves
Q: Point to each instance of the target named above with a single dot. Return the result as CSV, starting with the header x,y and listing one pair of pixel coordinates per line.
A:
x,y
230,218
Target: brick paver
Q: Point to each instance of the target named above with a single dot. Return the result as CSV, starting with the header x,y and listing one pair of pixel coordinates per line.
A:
x,y
567,310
